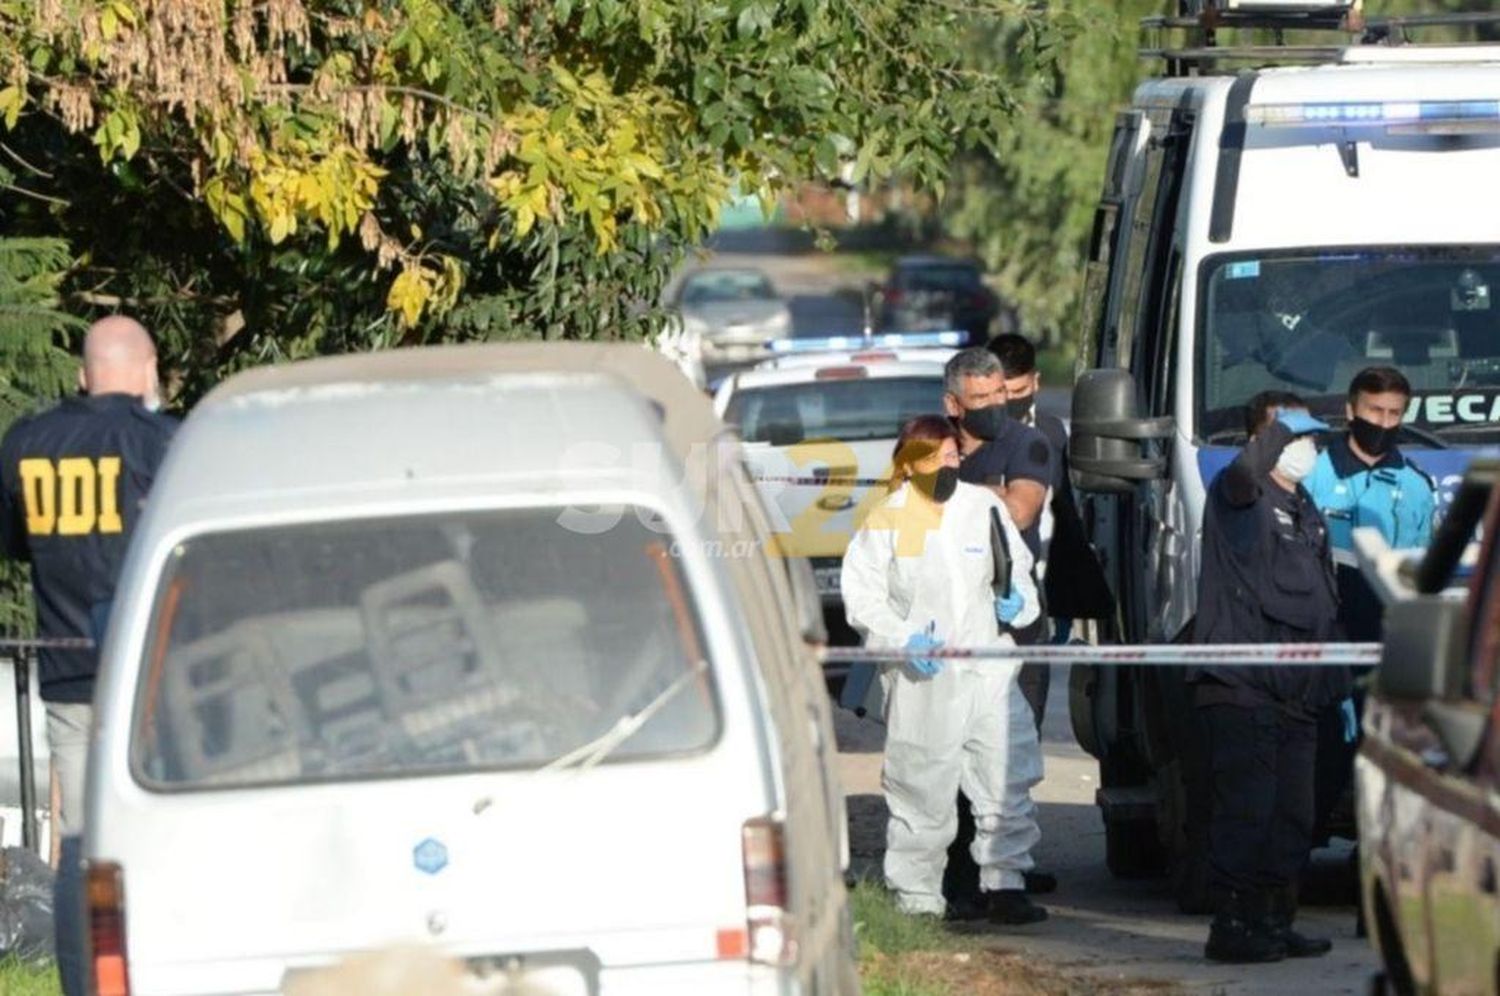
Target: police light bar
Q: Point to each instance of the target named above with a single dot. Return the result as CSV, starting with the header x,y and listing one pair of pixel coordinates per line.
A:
x,y
887,340
1379,114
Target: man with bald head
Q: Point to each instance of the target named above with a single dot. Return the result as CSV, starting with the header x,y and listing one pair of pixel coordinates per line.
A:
x,y
72,481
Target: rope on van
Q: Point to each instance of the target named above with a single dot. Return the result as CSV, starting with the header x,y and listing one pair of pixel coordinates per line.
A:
x,y
1139,655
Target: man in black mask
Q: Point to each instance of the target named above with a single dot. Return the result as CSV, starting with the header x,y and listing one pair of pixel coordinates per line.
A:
x,y
1074,586
1362,479
1016,462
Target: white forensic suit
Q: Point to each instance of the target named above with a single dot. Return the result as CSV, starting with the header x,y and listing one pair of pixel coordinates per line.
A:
x,y
967,726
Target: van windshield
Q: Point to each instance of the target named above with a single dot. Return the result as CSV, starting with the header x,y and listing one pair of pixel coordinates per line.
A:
x,y
1307,322
415,645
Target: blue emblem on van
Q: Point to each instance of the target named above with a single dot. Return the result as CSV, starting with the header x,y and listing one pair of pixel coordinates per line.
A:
x,y
430,856
1242,270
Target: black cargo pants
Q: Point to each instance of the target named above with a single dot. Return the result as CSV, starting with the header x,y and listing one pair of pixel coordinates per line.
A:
x,y
1262,766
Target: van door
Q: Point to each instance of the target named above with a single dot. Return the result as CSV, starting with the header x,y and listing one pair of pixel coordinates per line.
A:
x,y
814,823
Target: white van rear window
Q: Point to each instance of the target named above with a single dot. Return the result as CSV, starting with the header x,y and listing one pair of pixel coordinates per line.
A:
x,y
414,645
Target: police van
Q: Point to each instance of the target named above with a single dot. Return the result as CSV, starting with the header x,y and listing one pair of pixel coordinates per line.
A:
x,y
1273,217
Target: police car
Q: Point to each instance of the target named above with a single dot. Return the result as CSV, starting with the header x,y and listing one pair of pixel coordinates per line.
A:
x,y
819,422
1267,226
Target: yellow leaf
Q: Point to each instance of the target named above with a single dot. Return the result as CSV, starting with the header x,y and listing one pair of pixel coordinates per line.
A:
x,y
408,294
525,219
12,99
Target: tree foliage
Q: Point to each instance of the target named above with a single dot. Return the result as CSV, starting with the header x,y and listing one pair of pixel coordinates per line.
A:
x,y
272,178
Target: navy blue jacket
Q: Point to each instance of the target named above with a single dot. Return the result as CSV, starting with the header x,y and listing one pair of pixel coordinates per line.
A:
x,y
72,481
1266,577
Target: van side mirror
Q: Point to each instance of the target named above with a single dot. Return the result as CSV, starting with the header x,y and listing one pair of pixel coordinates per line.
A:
x,y
809,603
1104,445
1424,655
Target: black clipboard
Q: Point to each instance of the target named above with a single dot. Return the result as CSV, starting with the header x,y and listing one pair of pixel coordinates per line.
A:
x,y
1000,551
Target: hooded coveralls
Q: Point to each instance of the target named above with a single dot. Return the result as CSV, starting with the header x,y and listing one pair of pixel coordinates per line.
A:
x,y
906,569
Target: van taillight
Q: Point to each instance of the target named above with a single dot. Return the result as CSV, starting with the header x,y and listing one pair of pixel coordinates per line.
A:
x,y
104,887
773,938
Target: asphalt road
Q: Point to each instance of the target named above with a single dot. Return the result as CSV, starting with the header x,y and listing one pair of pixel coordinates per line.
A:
x,y
1102,926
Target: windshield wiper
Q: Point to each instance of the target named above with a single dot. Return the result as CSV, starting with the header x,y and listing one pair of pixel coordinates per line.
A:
x,y
596,750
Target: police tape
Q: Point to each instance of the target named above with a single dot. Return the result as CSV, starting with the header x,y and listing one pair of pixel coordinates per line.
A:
x,y
1138,655
813,481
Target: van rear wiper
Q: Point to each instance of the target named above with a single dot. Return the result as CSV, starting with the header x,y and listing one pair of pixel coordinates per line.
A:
x,y
596,750
625,727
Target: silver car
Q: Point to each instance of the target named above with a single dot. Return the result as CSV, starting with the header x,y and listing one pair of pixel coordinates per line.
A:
x,y
461,647
731,314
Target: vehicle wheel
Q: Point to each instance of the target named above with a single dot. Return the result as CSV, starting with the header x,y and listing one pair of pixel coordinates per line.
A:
x,y
1132,849
1396,979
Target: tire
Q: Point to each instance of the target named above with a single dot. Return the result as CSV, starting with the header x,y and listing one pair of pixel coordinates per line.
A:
x,y
1133,849
1397,978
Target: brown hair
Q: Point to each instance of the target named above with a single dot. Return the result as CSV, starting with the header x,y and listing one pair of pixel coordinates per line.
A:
x,y
920,438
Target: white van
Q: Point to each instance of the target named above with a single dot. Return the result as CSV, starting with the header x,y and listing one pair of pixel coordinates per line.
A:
x,y
482,648
1266,225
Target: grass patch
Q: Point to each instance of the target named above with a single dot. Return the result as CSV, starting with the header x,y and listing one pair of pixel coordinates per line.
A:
x,y
901,955
20,979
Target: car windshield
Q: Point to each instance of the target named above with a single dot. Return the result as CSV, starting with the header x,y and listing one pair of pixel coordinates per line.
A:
x,y
417,645
938,278
848,410
712,287
1308,322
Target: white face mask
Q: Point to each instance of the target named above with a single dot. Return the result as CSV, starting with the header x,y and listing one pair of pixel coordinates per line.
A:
x,y
1297,459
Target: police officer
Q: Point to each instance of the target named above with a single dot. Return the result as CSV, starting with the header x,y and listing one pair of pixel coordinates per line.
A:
x,y
1362,479
72,480
1267,578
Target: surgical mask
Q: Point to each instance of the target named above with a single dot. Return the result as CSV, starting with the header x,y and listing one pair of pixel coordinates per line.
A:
x,y
1374,439
1020,408
984,423
1297,459
938,485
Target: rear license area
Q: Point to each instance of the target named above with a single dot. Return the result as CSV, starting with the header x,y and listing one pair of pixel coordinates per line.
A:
x,y
551,973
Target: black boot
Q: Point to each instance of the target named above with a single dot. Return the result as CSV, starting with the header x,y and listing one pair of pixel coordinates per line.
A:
x,y
1281,910
1012,908
1239,935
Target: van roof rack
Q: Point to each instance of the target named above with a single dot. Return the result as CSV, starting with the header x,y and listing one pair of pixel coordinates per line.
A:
x,y
1194,42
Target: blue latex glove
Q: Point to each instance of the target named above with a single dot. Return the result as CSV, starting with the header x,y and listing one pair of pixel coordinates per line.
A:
x,y
925,640
1351,721
1007,607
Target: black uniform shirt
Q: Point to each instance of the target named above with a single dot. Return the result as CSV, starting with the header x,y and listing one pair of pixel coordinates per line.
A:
x,y
1267,577
72,481
1017,453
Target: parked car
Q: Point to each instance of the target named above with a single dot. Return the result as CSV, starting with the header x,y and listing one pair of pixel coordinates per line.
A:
x,y
1428,770
928,293
415,647
830,417
731,314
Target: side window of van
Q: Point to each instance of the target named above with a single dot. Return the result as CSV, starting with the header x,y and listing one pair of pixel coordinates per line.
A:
x,y
1146,278
1105,235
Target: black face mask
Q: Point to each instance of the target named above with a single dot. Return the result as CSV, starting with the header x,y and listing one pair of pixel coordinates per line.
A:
x,y
1373,439
938,485
1020,408
984,423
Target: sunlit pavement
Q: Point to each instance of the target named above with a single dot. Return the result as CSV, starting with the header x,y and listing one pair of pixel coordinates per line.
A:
x,y
1100,925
